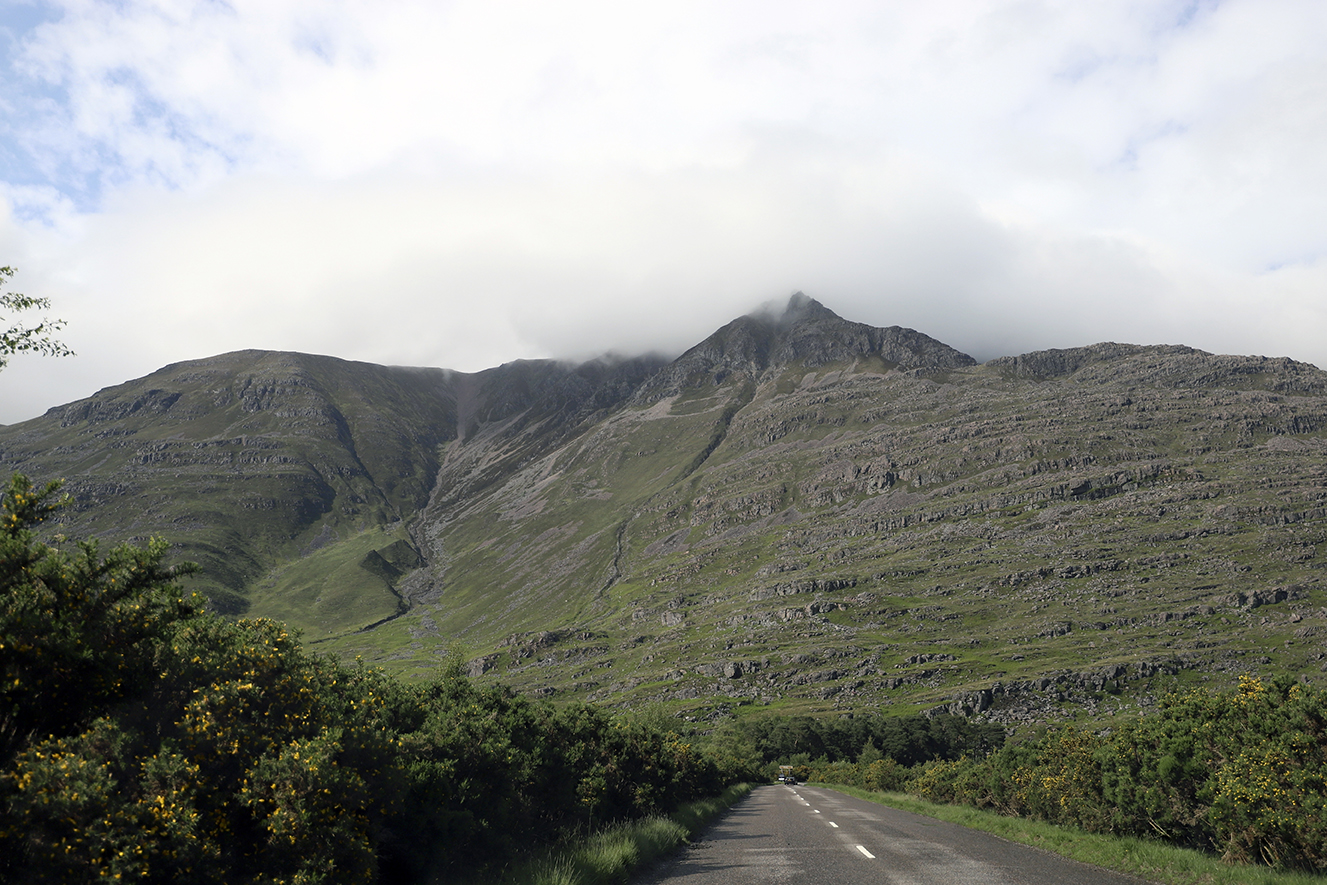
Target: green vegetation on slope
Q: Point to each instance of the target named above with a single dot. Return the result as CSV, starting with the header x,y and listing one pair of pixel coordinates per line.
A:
x,y
249,461
345,586
1008,546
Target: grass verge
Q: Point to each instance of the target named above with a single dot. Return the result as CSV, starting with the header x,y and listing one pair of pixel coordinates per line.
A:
x,y
613,853
1147,860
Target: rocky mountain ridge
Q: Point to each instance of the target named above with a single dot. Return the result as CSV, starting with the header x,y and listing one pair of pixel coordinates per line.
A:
x,y
804,333
799,512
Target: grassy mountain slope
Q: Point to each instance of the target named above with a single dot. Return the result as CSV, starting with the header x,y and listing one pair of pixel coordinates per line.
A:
x,y
1018,539
261,466
799,513
244,460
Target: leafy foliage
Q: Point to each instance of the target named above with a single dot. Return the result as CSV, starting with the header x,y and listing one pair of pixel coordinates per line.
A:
x,y
146,738
77,631
1244,772
1241,773
907,740
19,338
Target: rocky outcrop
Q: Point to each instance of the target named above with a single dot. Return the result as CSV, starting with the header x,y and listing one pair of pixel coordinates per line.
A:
x,y
1058,363
804,333
1048,697
1163,365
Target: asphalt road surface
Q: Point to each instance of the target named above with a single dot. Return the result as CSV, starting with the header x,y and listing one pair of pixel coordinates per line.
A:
x,y
792,834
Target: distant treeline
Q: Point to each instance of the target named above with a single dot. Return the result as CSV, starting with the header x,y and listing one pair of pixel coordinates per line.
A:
x,y
908,740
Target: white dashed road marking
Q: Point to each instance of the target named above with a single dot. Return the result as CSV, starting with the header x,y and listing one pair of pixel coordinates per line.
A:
x,y
863,850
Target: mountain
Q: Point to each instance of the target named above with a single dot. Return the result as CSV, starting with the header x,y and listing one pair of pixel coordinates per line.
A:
x,y
800,512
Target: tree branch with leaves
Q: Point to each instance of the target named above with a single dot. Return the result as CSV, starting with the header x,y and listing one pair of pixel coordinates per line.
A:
x,y
18,338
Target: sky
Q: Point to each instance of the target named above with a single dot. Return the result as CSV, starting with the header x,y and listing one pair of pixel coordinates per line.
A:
x,y
461,184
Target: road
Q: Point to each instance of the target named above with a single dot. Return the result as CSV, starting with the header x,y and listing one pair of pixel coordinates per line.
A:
x,y
784,834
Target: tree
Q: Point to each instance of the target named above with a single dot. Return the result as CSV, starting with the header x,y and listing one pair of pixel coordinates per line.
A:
x,y
18,338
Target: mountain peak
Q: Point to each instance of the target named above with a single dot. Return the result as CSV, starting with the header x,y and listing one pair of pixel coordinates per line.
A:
x,y
803,332
800,308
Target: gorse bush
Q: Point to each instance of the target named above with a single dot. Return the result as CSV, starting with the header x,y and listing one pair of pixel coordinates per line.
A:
x,y
77,632
1240,773
1243,772
143,738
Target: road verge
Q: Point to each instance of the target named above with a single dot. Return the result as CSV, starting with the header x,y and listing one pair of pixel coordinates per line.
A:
x,y
1151,861
611,855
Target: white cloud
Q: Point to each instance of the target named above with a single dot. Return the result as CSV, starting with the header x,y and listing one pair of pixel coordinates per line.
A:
x,y
459,184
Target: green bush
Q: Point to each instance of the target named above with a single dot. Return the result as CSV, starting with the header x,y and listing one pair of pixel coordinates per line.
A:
x,y
1242,774
77,631
1061,783
146,739
884,775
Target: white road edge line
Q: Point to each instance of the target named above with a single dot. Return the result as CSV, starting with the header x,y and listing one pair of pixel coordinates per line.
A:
x,y
863,850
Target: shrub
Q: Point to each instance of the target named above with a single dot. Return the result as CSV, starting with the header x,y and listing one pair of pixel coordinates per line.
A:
x,y
1242,773
145,739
